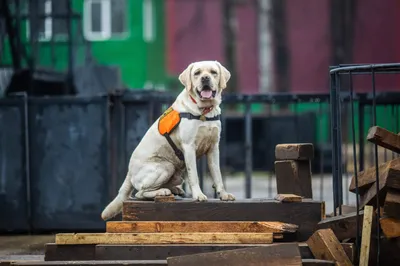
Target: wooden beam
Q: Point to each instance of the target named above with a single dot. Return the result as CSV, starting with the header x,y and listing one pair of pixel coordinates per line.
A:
x,y
369,197
324,245
392,203
201,226
306,214
384,138
346,209
164,238
366,235
164,198
343,226
390,227
282,254
160,252
94,262
315,262
294,177
54,252
288,198
389,174
295,151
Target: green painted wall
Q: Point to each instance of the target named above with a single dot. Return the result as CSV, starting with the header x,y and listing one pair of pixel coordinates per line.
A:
x,y
139,61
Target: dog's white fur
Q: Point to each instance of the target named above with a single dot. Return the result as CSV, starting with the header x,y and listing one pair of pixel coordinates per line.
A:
x,y
154,169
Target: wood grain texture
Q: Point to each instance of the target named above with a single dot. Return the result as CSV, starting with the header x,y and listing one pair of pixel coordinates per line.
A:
x,y
390,227
366,235
161,252
389,174
282,254
164,238
294,177
288,198
295,151
343,226
199,226
384,138
392,203
306,214
325,246
164,198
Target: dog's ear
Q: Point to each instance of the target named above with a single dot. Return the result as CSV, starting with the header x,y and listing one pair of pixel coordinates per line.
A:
x,y
185,77
225,75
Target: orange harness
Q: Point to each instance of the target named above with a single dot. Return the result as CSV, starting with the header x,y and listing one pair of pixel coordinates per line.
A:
x,y
170,120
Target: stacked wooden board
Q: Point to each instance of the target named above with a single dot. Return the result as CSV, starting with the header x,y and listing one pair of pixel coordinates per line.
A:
x,y
293,168
152,231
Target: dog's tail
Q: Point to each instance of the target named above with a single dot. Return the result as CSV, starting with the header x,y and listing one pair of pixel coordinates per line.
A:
x,y
115,206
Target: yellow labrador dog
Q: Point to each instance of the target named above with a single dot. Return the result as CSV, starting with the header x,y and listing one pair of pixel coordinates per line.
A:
x,y
168,152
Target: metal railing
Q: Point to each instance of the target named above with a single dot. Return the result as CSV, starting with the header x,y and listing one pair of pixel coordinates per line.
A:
x,y
338,94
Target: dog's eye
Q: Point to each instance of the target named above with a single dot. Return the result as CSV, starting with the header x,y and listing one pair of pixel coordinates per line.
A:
x,y
214,72
197,73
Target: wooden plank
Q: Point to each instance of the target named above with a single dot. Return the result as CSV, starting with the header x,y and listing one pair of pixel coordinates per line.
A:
x,y
343,226
282,254
294,151
54,252
164,198
288,198
294,177
389,174
346,209
324,245
366,235
199,226
163,238
392,203
95,262
161,252
315,262
384,138
369,197
390,227
306,214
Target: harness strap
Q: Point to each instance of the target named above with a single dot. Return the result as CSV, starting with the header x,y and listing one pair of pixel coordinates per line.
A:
x,y
177,151
170,127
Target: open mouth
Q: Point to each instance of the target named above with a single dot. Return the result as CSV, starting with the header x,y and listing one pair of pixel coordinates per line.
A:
x,y
206,92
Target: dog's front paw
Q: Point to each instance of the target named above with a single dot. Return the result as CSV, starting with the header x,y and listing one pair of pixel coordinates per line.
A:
x,y
225,196
200,197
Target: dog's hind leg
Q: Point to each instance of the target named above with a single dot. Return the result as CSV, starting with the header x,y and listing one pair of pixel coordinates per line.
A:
x,y
151,181
175,184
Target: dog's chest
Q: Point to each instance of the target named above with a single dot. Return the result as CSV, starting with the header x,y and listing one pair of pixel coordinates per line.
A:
x,y
206,137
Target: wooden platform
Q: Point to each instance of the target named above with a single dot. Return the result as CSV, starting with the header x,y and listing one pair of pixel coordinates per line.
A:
x,y
306,214
153,231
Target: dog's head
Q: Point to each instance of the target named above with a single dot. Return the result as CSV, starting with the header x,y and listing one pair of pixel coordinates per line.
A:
x,y
205,80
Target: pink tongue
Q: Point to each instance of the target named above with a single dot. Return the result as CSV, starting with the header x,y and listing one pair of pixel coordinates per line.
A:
x,y
206,93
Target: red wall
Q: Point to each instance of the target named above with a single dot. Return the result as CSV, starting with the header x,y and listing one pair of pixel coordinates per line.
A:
x,y
194,32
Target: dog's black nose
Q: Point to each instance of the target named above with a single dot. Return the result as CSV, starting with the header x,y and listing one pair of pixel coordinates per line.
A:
x,y
205,79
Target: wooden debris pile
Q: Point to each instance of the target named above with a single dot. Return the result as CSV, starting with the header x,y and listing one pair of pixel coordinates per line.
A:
x,y
344,226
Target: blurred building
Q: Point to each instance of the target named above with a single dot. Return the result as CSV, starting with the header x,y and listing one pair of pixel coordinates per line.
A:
x,y
270,45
